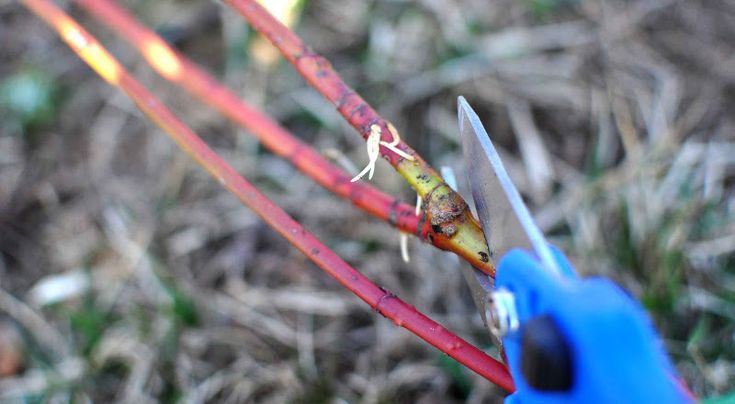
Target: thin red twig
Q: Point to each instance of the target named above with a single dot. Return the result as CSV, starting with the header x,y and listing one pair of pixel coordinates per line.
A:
x,y
320,75
452,225
178,69
384,302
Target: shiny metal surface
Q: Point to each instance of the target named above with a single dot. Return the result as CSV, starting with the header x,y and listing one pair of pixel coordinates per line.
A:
x,y
505,219
480,284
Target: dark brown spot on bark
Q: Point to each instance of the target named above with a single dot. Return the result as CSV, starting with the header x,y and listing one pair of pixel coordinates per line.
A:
x,y
420,227
392,215
359,109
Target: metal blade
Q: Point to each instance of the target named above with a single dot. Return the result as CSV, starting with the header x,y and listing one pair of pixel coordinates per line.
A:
x,y
480,283
505,219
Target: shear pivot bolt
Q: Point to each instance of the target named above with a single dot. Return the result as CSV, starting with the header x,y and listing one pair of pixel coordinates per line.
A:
x,y
500,312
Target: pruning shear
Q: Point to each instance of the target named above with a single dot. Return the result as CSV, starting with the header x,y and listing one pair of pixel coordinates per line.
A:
x,y
565,339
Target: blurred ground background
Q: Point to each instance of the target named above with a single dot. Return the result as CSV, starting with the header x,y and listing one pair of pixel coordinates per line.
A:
x,y
126,273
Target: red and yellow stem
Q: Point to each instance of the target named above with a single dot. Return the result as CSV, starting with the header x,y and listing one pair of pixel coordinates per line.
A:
x,y
452,225
181,71
384,302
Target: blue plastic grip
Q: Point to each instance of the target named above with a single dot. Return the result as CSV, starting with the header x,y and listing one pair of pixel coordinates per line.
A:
x,y
615,352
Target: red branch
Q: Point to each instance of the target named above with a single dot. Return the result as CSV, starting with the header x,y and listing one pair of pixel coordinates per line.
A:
x,y
276,138
387,304
319,73
452,225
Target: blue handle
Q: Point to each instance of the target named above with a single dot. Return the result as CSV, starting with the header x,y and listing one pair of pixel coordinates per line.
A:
x,y
581,340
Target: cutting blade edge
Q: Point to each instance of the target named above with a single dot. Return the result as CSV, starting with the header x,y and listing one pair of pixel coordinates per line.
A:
x,y
480,283
505,219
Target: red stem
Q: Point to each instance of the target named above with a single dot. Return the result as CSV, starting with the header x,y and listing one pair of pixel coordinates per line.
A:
x,y
452,225
382,301
276,138
319,73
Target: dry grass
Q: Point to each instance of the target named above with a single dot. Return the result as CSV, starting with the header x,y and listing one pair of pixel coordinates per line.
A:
x,y
615,119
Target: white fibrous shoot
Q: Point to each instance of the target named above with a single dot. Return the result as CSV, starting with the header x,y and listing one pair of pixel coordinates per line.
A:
x,y
392,145
373,149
